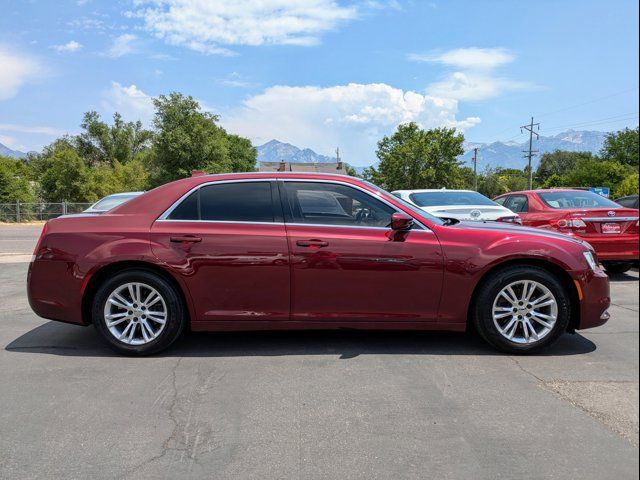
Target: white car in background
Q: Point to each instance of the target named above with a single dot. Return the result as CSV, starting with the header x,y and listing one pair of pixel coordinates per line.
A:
x,y
464,205
111,201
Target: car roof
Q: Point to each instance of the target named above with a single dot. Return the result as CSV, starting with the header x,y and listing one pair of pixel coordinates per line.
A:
x,y
543,190
434,190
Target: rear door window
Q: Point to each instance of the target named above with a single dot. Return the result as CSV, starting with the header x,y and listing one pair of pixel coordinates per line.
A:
x,y
228,202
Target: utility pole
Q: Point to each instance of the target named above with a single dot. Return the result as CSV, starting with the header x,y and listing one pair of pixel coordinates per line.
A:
x,y
475,169
530,153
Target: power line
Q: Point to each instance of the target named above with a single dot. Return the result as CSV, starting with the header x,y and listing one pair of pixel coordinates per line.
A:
x,y
531,152
588,102
475,169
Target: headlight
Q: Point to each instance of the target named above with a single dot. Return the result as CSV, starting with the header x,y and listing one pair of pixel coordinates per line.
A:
x,y
590,260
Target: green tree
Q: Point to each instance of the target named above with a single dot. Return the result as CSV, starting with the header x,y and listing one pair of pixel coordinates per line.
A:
x,y
558,163
628,186
66,177
188,139
242,154
108,179
415,158
621,147
595,173
14,181
102,143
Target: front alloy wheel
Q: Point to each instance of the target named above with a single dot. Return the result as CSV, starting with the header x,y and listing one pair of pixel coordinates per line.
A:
x,y
525,311
522,308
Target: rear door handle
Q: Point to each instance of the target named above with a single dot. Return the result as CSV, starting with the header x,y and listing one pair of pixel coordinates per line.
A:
x,y
186,238
314,242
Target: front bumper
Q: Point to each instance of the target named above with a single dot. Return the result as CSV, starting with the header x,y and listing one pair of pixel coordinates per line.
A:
x,y
596,299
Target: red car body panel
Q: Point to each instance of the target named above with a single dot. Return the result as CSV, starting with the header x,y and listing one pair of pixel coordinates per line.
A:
x,y
621,246
242,276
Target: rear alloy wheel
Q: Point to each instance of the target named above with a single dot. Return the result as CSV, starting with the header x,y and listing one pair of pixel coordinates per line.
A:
x,y
138,312
613,268
522,309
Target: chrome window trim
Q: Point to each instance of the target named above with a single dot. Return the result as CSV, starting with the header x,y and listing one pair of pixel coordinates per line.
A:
x,y
163,217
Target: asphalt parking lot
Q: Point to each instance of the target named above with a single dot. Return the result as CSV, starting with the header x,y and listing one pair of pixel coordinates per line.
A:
x,y
307,405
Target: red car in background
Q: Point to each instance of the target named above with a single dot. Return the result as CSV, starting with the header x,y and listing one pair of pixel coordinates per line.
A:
x,y
263,251
610,228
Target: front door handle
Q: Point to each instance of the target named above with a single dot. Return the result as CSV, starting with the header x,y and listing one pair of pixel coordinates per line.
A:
x,y
185,238
314,242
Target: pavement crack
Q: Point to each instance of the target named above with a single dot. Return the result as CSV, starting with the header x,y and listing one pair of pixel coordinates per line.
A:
x,y
528,372
165,448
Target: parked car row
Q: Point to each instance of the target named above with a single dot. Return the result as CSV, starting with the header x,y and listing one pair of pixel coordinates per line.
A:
x,y
610,227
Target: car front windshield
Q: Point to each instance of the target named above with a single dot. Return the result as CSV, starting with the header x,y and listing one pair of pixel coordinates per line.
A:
x,y
436,199
110,202
571,199
409,206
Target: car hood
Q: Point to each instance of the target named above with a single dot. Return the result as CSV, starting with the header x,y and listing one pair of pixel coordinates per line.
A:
x,y
507,228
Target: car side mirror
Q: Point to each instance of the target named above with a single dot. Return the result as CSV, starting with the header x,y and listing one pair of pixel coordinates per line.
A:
x,y
401,222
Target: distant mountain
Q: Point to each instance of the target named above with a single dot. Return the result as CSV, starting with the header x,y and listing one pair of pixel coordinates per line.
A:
x,y
7,152
510,155
275,151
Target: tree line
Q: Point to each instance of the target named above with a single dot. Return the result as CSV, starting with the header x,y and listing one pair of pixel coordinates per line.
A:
x,y
123,156
413,158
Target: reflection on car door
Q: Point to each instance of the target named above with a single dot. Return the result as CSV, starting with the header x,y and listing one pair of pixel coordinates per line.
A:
x,y
227,241
344,265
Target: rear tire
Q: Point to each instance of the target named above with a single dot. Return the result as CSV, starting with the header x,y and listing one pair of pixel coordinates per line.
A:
x,y
617,267
514,322
138,312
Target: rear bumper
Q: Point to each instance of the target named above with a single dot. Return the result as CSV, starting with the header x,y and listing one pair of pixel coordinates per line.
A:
x,y
596,299
54,291
614,248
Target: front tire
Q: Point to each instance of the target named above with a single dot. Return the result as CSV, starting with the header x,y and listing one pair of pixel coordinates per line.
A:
x,y
138,312
521,309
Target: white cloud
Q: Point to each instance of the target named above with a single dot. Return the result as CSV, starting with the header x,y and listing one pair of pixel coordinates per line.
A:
x,y
17,69
131,102
68,47
474,86
38,130
472,58
236,80
122,45
474,77
353,117
9,142
208,26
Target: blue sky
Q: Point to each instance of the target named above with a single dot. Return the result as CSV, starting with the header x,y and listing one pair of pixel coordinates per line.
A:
x,y
321,73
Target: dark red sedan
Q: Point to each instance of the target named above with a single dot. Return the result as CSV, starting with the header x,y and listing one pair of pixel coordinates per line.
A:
x,y
307,251
610,228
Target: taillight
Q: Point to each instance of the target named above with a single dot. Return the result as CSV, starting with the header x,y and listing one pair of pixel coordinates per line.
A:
x,y
570,223
517,220
39,244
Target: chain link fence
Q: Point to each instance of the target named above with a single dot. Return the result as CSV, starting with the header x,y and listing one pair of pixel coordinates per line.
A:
x,y
29,212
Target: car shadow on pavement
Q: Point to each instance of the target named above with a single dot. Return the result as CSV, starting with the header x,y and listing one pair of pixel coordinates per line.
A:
x,y
631,276
70,340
